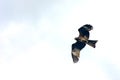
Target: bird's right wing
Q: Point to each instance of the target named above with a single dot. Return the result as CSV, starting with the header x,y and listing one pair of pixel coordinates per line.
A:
x,y
75,55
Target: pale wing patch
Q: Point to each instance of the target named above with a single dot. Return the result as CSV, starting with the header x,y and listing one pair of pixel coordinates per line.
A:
x,y
76,52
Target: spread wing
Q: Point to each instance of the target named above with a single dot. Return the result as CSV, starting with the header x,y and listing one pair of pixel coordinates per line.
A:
x,y
76,48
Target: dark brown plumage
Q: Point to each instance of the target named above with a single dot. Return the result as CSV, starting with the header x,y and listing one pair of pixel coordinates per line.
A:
x,y
81,41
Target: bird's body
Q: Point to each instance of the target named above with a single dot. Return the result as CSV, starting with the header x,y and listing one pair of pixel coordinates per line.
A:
x,y
81,42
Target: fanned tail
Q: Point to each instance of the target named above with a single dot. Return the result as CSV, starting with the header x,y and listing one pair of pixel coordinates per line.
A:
x,y
92,43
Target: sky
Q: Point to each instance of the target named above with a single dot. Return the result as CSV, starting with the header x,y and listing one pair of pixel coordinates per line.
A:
x,y
36,38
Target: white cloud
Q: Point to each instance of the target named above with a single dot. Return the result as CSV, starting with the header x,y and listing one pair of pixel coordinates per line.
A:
x,y
41,34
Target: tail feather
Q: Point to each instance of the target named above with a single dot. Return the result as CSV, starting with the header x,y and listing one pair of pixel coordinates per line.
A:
x,y
92,43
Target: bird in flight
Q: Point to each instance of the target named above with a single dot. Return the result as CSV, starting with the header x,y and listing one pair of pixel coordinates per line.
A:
x,y
81,41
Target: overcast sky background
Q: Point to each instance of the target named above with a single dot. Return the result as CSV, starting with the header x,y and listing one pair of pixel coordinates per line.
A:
x,y
36,38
